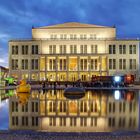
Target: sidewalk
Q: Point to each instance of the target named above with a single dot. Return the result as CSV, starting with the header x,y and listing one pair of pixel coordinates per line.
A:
x,y
33,87
35,135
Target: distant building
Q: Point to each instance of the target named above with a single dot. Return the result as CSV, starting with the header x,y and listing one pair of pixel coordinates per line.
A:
x,y
72,51
98,111
3,74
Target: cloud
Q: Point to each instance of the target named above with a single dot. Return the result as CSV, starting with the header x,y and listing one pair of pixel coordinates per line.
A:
x,y
18,16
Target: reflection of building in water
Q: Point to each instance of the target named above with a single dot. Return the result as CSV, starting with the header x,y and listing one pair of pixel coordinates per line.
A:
x,y
97,111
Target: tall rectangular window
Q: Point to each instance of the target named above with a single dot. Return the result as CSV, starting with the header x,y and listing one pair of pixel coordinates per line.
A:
x,y
35,49
132,63
132,49
93,63
62,49
24,64
14,64
112,63
24,49
122,64
82,48
112,49
94,49
34,64
15,50
122,49
73,49
83,64
50,49
34,121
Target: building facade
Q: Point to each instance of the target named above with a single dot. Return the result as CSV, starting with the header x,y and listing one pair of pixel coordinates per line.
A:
x,y
97,111
4,72
72,51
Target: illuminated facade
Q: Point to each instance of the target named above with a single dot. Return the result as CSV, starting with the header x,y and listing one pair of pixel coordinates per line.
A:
x,y
97,111
72,51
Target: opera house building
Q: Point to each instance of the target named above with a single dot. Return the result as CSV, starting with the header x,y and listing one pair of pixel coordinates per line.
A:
x,y
72,51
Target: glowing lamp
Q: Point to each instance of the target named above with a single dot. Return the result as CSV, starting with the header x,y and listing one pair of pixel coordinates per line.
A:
x,y
117,79
128,77
117,95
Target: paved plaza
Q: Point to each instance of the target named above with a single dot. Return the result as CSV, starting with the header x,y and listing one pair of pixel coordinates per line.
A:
x,y
33,135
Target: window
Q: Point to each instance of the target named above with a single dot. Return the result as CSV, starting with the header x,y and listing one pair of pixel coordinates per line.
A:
x,y
121,122
62,121
110,107
14,120
52,121
62,49
62,106
113,107
14,64
83,121
83,49
122,64
35,49
15,50
52,49
62,64
120,107
130,107
123,106
83,106
73,122
93,64
24,49
52,106
83,36
25,108
112,49
111,122
73,49
52,64
132,63
112,63
14,106
24,121
34,106
24,64
132,49
122,49
34,121
92,36
83,64
34,64
94,49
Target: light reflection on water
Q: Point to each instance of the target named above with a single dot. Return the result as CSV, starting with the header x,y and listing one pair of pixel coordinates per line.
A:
x,y
108,95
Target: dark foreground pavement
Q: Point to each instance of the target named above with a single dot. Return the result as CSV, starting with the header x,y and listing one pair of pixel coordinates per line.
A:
x,y
33,135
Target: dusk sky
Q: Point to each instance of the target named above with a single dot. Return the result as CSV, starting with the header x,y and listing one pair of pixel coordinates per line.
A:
x,y
18,16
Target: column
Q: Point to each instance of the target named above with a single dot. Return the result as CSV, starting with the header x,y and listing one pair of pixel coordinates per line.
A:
x,y
78,68
57,64
100,65
67,68
89,67
107,66
45,67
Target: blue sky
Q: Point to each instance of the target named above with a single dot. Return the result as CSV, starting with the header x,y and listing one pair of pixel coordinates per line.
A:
x,y
18,16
